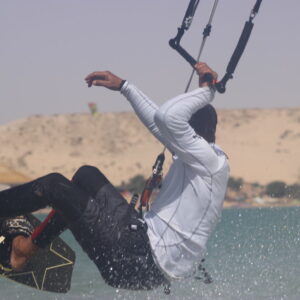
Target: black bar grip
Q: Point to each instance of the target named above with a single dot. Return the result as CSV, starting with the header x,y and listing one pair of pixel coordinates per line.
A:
x,y
256,6
240,47
189,14
207,77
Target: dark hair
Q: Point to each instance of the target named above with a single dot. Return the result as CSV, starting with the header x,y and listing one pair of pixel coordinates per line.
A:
x,y
204,122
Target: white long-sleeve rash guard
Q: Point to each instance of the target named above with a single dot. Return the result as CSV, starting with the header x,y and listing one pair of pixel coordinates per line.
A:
x,y
190,201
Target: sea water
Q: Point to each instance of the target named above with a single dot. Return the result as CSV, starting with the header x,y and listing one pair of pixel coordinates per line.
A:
x,y
253,254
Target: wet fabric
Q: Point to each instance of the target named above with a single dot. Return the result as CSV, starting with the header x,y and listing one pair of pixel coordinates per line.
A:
x,y
100,219
104,230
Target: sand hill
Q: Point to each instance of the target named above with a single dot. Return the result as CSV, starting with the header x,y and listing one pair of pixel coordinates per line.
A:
x,y
262,145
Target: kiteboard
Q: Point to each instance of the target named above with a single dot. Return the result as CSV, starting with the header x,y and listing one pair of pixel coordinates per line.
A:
x,y
49,270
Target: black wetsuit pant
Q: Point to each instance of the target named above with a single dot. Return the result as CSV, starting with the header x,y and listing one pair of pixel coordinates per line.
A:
x,y
99,218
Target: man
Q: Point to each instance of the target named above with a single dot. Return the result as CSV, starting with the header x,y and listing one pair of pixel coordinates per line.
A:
x,y
171,239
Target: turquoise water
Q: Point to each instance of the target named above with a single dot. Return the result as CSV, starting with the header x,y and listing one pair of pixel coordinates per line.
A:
x,y
253,254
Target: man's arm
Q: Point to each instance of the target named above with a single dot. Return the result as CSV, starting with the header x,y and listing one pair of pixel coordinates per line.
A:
x,y
173,117
150,114
142,105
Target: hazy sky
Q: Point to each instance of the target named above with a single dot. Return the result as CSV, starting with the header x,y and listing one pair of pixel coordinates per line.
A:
x,y
49,46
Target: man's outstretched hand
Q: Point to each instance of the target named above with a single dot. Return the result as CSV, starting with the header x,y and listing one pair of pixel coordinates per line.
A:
x,y
106,79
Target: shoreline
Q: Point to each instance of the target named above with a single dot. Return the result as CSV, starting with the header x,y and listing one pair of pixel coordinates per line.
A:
x,y
227,205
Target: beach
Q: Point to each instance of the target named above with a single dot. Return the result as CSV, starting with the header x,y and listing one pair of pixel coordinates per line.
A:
x,y
262,145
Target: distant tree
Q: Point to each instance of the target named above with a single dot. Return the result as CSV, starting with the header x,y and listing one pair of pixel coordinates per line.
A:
x,y
135,184
235,183
276,189
256,185
293,191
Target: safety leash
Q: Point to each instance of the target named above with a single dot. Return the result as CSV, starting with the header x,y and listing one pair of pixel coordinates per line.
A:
x,y
153,182
206,33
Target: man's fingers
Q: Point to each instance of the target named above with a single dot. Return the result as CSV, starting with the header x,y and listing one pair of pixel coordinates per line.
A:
x,y
104,78
99,82
96,75
203,68
97,78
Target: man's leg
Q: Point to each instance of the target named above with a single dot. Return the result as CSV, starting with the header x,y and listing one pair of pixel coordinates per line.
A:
x,y
54,190
92,181
88,179
109,206
123,256
51,190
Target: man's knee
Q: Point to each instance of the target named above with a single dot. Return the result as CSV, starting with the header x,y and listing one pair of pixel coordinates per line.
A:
x,y
53,180
48,183
85,171
90,179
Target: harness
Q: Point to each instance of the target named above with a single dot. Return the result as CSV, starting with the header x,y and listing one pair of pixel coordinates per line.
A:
x,y
153,182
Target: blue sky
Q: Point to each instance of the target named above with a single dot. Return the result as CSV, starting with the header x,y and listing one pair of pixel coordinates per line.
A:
x,y
49,46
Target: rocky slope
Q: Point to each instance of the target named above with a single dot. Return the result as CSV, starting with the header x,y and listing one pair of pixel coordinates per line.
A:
x,y
263,145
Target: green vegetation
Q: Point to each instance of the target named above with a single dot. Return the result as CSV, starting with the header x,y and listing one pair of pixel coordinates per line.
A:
x,y
279,189
241,189
276,189
256,185
235,183
293,191
135,184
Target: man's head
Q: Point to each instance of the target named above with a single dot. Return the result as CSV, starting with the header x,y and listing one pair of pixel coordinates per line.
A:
x,y
204,122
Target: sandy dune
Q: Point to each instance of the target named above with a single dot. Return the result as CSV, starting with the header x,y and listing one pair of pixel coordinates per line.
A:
x,y
262,145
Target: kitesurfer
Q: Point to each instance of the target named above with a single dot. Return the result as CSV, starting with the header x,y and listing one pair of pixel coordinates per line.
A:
x,y
170,240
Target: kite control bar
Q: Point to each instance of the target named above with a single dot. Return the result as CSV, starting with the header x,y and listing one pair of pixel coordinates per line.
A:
x,y
241,45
